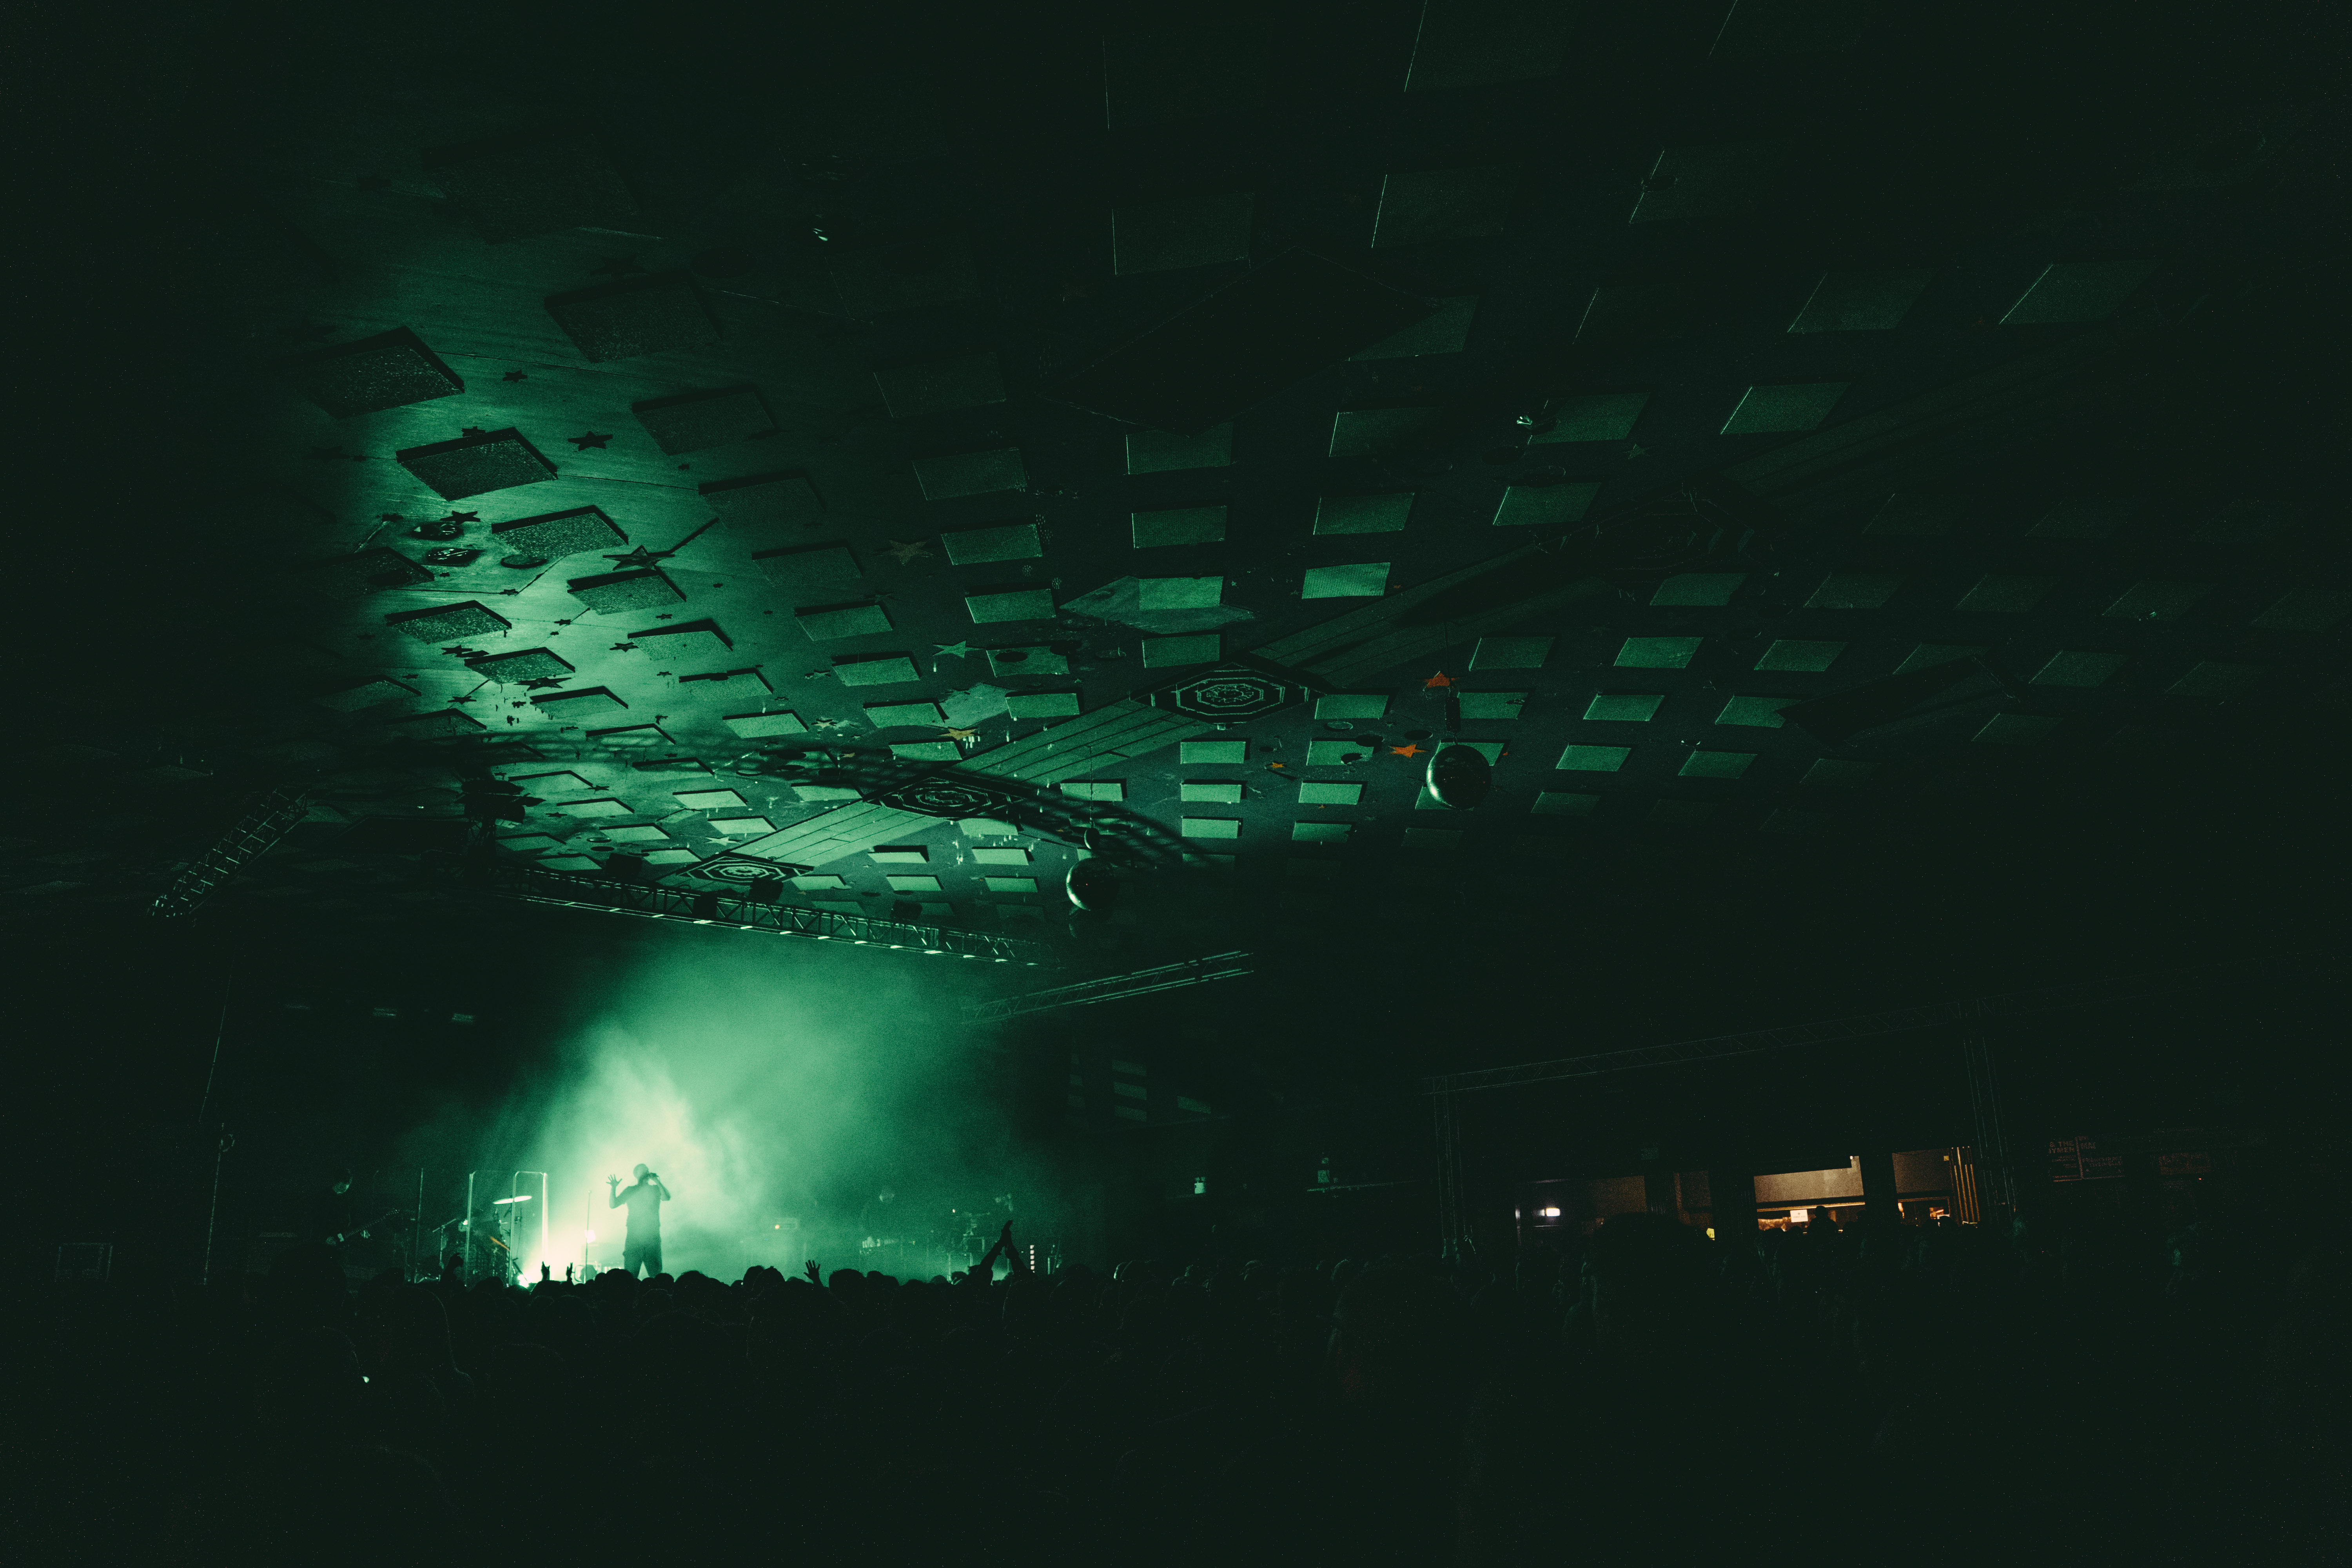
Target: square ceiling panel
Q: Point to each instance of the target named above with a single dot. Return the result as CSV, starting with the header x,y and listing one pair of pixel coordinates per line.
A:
x,y
1418,206
1586,759
999,855
2073,292
925,751
706,799
1026,661
1800,654
1707,180
1998,595
633,316
1312,792
1591,416
2306,610
1170,451
1695,588
476,465
1789,406
1715,764
1360,580
556,534
1853,591
569,705
1017,604
2075,667
1564,802
742,826
1210,826
1094,789
780,496
938,385
1043,704
1510,653
1860,302
1761,712
1933,653
1352,705
1490,704
1623,706
889,715
1657,653
533,182
1179,593
526,664
697,421
1177,525
1838,772
390,370
1321,832
2214,681
842,621
959,473
1918,514
1363,514
1324,752
2151,600
1187,231
890,670
1005,542
1168,653
911,883
691,639
1445,333
2016,729
447,624
1473,43
1543,506
1369,432
615,593
810,569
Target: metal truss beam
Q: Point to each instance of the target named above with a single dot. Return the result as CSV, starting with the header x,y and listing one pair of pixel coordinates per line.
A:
x,y
256,833
572,890
1901,1020
1113,987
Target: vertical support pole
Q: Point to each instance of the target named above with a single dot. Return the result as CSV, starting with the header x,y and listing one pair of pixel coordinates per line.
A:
x,y
1452,1223
416,1231
1996,1180
466,1268
1881,1208
1731,1203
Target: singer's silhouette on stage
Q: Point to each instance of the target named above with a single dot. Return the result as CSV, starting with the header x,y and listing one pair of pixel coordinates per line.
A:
x,y
645,1200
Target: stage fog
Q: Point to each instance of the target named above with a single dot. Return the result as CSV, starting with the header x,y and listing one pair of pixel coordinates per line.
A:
x,y
798,1101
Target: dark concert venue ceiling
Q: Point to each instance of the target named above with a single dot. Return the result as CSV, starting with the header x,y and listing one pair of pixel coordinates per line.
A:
x,y
1843,478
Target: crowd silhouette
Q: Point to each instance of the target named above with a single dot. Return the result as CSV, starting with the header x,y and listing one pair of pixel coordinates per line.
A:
x,y
1645,1395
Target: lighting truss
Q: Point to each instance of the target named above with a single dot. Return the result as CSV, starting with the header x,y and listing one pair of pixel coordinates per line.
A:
x,y
576,891
1112,987
264,822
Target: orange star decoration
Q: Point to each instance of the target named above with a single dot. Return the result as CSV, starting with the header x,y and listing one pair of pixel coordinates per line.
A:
x,y
952,734
1440,679
1407,750
905,551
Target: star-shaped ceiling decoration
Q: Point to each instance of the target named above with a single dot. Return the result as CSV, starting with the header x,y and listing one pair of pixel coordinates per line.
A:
x,y
541,682
1440,679
591,439
905,551
471,430
952,734
514,376
1407,750
639,557
953,650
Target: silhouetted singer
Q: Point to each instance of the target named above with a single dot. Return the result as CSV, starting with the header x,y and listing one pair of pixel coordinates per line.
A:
x,y
645,1200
